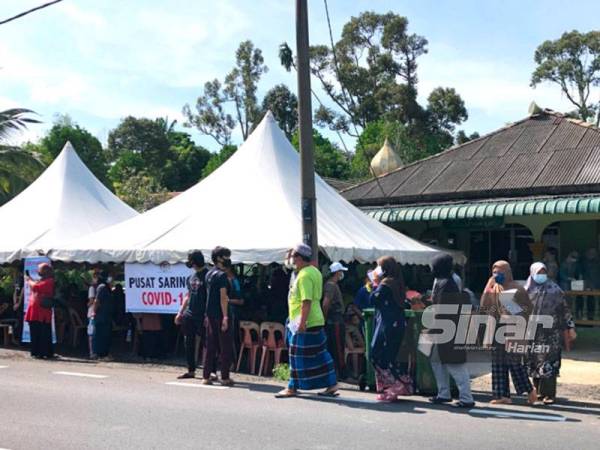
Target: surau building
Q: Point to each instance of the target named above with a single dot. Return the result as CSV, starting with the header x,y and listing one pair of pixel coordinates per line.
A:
x,y
511,194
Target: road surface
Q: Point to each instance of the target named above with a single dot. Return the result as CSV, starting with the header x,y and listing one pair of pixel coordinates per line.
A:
x,y
77,405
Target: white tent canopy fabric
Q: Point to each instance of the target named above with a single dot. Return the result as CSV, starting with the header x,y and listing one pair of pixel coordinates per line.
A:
x,y
65,202
251,204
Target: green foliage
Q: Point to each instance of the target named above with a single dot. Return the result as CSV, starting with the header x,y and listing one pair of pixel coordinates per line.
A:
x,y
152,148
330,162
217,159
18,168
461,137
142,192
214,117
572,62
88,147
446,108
370,75
14,120
410,142
284,105
281,372
145,137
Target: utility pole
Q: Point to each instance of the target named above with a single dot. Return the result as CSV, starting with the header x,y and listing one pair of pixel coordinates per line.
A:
x,y
307,163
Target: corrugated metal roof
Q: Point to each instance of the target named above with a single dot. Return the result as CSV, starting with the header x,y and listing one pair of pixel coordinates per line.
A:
x,y
523,159
487,174
523,171
590,173
453,176
488,210
563,168
500,143
566,135
423,176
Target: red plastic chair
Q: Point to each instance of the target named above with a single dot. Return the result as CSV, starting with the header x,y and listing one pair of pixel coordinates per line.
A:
x,y
248,342
271,344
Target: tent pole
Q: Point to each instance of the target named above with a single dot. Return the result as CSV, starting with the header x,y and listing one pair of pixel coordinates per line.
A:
x,y
307,165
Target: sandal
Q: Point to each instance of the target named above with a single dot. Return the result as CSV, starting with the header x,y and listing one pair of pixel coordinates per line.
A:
x,y
532,397
286,393
385,397
187,375
331,391
501,401
548,401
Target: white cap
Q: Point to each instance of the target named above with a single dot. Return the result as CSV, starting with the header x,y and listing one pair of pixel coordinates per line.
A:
x,y
336,267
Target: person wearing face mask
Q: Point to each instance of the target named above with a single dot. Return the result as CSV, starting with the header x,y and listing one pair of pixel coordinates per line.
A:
x,y
449,359
388,299
103,313
504,362
191,313
333,309
219,339
548,300
311,365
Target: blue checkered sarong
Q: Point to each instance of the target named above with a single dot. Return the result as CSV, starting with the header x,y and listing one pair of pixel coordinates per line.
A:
x,y
311,365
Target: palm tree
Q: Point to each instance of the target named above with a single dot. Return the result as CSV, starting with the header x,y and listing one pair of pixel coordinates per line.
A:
x,y
18,167
14,119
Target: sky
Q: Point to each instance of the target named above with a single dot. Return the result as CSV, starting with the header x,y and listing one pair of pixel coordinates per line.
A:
x,y
99,61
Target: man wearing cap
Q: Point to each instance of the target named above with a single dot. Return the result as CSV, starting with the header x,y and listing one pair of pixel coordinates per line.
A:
x,y
191,313
333,309
311,365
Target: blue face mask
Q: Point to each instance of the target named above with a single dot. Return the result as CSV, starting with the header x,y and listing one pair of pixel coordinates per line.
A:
x,y
540,278
499,278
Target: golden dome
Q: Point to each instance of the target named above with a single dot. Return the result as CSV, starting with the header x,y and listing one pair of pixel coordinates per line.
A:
x,y
386,160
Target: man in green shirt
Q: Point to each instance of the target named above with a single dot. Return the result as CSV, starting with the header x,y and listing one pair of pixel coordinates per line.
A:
x,y
311,365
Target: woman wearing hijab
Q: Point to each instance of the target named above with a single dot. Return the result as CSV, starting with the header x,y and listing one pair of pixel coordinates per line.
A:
x,y
39,312
548,300
448,358
504,362
390,323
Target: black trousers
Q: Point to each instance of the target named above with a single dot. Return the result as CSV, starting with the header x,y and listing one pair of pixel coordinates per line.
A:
x,y
41,339
192,328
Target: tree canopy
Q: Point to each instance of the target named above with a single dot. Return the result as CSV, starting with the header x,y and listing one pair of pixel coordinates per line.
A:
x,y
573,63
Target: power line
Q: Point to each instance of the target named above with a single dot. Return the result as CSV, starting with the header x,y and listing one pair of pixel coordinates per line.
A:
x,y
29,11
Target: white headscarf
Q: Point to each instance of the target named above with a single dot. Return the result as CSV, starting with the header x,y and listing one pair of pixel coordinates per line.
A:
x,y
534,270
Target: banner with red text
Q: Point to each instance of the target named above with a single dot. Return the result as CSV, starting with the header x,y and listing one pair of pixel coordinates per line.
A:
x,y
158,289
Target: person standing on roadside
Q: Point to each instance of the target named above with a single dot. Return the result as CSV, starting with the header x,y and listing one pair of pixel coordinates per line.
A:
x,y
219,339
311,365
191,314
103,313
333,309
39,312
449,359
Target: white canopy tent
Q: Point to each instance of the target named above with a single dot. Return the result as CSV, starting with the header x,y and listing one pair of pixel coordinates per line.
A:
x,y
65,202
251,204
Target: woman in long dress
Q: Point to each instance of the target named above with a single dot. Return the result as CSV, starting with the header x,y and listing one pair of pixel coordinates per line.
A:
x,y
390,324
544,360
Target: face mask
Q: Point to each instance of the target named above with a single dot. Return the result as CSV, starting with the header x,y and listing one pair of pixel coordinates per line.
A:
x,y
499,278
109,280
226,263
189,264
341,276
540,278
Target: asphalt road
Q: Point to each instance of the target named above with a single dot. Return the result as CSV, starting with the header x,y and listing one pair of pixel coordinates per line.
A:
x,y
53,404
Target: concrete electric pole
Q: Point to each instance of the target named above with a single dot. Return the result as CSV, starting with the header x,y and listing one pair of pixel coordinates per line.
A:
x,y
307,164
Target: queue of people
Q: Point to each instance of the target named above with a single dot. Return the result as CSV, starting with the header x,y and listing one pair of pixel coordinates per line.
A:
x,y
317,321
